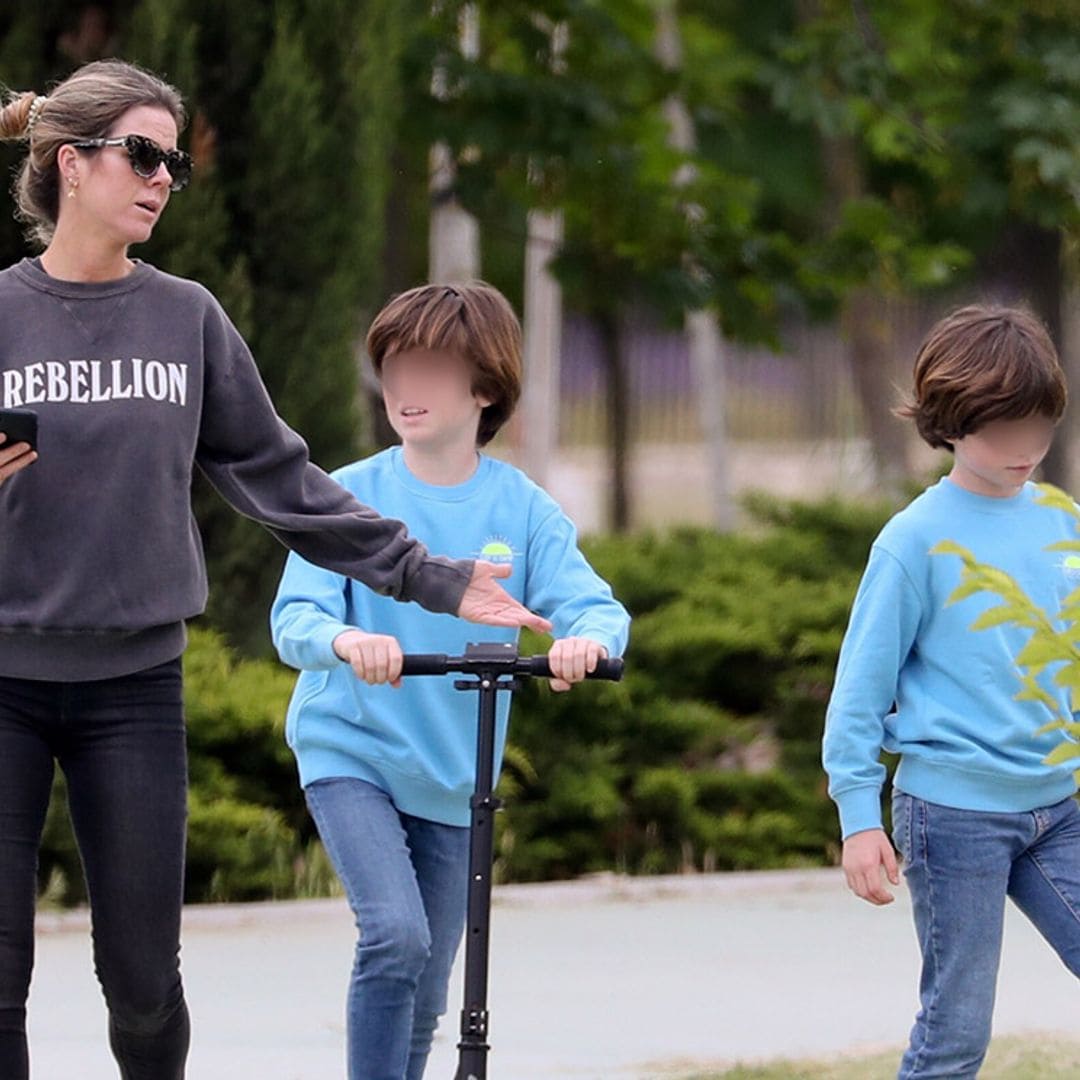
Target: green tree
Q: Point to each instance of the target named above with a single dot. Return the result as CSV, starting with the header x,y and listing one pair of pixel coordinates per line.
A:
x,y
585,132
295,112
318,121
946,136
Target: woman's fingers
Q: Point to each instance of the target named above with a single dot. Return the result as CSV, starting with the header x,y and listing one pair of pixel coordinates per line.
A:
x,y
14,458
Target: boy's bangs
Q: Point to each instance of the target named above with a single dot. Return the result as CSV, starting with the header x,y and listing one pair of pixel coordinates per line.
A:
x,y
438,325
1029,389
442,335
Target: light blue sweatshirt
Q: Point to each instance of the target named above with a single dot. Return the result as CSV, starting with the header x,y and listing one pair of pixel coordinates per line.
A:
x,y
418,743
916,680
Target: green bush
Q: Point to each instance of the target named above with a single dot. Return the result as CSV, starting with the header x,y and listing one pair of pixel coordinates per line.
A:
x,y
249,836
706,755
237,850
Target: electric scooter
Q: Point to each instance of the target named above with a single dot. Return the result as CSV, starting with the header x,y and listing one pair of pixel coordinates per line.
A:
x,y
496,667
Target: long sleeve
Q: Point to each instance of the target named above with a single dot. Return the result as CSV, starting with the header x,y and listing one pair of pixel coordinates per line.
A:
x,y
563,587
261,467
884,621
308,612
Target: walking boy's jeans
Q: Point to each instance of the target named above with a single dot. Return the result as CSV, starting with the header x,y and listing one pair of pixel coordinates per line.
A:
x,y
960,865
120,743
407,883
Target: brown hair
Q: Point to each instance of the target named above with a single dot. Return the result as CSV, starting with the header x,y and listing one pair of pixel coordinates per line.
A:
x,y
473,320
84,106
983,363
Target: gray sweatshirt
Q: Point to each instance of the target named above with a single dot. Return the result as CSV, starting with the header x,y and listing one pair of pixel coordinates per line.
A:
x,y
135,382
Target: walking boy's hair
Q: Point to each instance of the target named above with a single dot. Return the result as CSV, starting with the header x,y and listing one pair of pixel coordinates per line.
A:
x,y
983,363
474,321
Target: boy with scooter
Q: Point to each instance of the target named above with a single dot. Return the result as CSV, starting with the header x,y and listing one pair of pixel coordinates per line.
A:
x,y
388,768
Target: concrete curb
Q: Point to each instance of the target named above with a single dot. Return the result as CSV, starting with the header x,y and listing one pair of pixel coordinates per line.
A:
x,y
596,888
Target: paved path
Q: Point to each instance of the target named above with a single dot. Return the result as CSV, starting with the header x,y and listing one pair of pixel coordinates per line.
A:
x,y
596,980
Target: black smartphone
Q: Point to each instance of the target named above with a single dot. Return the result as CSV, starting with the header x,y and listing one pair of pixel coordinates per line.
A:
x,y
19,425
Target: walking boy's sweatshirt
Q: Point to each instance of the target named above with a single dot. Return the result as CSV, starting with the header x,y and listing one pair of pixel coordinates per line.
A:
x,y
135,381
418,743
916,680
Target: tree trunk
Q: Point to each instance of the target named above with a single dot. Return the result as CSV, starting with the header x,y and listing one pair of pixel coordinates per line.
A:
x,y
542,343
1026,268
708,361
454,234
542,317
870,333
618,411
1065,443
708,358
864,318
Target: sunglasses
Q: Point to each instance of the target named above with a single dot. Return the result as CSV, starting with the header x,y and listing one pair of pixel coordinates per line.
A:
x,y
146,157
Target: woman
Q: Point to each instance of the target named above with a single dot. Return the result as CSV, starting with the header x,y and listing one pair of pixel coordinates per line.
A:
x,y
136,376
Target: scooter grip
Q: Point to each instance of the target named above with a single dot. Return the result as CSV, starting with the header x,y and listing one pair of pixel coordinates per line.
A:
x,y
424,664
610,667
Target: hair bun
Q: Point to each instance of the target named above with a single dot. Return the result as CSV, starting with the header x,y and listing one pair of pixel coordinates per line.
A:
x,y
19,115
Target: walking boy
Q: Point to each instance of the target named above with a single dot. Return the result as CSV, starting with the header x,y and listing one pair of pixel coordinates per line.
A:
x,y
977,814
387,767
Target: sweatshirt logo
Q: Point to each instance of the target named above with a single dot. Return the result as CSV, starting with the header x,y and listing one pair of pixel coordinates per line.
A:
x,y
496,549
1070,567
85,382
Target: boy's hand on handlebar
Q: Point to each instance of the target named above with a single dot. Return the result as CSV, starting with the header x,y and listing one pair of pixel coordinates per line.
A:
x,y
14,457
571,659
486,601
374,658
866,854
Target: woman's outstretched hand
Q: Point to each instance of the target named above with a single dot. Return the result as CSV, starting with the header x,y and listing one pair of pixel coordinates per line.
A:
x,y
486,601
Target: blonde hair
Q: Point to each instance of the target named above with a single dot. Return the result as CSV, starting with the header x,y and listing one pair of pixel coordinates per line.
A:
x,y
983,363
84,106
474,321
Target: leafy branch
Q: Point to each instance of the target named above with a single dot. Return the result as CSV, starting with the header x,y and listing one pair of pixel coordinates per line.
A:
x,y
1055,639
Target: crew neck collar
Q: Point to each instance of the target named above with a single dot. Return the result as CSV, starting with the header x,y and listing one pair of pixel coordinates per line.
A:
x,y
986,504
35,275
440,492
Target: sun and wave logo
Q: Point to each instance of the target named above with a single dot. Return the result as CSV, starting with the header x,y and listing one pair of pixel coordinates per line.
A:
x,y
497,549
1070,567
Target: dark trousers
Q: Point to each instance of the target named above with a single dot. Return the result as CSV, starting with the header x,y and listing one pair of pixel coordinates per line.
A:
x,y
120,743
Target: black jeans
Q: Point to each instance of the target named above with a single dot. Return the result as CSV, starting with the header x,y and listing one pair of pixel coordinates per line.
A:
x,y
120,743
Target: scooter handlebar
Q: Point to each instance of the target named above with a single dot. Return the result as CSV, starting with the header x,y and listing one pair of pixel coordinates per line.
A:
x,y
425,664
610,668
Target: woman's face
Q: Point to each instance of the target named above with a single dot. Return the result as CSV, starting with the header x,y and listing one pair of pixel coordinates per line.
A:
x,y
112,204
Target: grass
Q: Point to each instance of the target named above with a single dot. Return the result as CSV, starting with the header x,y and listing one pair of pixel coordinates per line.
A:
x,y
1028,1058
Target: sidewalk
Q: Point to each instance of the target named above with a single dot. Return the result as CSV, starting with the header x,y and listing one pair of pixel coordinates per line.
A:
x,y
610,979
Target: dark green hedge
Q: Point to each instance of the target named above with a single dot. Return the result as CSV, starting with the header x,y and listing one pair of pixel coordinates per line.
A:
x,y
249,836
705,756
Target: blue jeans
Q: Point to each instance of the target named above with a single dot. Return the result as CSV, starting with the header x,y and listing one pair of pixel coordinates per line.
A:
x,y
407,882
121,745
960,865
